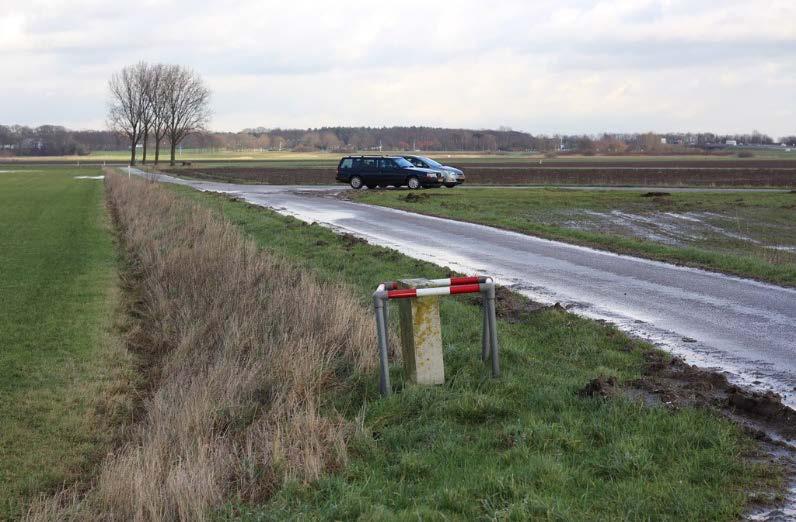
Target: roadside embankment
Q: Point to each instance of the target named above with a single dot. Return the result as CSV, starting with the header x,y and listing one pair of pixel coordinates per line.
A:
x,y
238,349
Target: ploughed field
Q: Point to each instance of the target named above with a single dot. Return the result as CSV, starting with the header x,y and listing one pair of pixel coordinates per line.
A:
x,y
497,171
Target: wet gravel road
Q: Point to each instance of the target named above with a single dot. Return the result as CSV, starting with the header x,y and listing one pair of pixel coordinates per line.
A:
x,y
742,326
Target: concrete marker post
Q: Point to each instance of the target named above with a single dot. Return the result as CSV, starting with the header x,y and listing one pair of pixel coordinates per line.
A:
x,y
421,332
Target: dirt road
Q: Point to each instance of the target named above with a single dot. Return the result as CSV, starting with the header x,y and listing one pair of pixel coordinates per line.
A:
x,y
741,326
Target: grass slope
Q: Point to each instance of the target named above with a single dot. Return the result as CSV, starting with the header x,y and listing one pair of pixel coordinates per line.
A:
x,y
524,446
556,214
56,299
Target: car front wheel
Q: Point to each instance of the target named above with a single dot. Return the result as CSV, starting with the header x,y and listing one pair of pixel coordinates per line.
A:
x,y
413,183
356,182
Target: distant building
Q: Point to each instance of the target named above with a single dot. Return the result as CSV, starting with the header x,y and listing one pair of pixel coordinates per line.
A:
x,y
731,143
663,141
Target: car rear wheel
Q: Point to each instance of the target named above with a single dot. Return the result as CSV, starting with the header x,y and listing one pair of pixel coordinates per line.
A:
x,y
356,182
413,183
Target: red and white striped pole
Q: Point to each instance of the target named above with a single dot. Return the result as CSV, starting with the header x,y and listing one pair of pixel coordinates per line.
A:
x,y
436,287
448,281
402,293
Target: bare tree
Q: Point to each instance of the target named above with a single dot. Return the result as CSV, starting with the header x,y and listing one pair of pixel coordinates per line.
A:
x,y
157,94
145,77
127,104
186,104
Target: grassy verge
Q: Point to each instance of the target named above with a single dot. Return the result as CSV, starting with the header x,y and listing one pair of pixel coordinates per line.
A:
x,y
57,299
524,446
745,234
237,349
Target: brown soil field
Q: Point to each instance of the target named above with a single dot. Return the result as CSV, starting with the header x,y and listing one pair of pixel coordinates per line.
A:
x,y
733,174
651,163
668,176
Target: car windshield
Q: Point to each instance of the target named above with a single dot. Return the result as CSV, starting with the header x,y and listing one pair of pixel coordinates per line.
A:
x,y
403,163
431,163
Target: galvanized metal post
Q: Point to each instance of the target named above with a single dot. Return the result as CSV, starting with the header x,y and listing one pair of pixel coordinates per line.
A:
x,y
386,324
490,299
381,336
486,339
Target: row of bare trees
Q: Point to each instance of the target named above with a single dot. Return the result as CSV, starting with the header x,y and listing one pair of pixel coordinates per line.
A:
x,y
158,102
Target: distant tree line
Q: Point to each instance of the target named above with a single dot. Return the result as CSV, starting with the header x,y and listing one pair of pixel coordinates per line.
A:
x,y
54,140
157,102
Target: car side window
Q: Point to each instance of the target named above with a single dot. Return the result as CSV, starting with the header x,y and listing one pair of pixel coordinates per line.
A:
x,y
386,163
369,163
347,163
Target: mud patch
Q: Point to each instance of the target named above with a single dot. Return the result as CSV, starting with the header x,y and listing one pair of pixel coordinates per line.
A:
x,y
656,194
677,384
414,197
600,387
350,241
763,405
511,306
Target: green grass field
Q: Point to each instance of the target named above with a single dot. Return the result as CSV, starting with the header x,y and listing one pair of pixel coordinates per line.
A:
x,y
57,299
747,234
526,446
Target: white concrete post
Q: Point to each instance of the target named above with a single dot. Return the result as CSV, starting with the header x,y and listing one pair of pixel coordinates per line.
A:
x,y
421,336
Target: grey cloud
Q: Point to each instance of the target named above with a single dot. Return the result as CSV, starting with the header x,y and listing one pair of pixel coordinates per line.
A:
x,y
681,54
319,67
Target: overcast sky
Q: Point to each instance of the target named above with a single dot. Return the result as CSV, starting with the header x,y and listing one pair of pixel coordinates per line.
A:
x,y
539,66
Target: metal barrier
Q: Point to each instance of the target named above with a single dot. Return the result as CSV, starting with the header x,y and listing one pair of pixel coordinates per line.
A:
x,y
437,287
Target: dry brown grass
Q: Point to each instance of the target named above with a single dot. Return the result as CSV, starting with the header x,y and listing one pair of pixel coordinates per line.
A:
x,y
239,349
